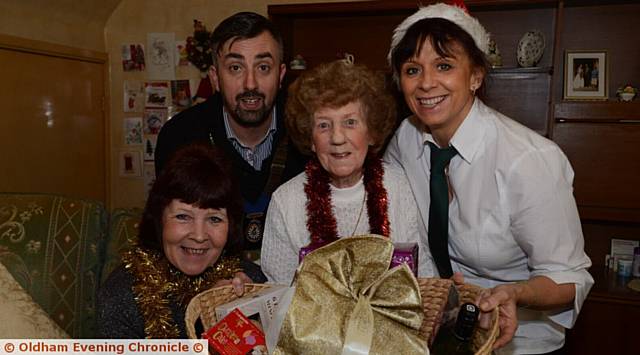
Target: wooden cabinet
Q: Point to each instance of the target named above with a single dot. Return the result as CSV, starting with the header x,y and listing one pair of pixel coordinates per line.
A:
x,y
602,133
608,322
322,32
601,139
54,128
523,94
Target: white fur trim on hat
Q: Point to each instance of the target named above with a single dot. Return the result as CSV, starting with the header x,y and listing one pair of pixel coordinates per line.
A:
x,y
448,12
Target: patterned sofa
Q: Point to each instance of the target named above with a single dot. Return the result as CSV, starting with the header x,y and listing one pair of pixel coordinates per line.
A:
x,y
59,249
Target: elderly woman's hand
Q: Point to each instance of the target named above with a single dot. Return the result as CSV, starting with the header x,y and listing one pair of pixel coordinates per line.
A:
x,y
505,296
237,282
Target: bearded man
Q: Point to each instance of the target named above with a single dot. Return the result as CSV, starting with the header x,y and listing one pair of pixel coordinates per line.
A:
x,y
244,118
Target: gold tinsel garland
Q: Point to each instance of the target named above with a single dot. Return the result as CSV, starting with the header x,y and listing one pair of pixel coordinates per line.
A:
x,y
156,283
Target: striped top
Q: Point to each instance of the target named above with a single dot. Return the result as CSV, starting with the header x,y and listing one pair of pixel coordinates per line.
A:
x,y
262,150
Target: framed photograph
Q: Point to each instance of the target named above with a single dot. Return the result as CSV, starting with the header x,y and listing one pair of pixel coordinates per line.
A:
x,y
585,75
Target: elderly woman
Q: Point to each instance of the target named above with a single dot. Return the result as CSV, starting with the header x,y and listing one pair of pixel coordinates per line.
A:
x,y
495,195
188,236
341,113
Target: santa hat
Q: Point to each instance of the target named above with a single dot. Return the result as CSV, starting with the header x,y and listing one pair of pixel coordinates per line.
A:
x,y
456,13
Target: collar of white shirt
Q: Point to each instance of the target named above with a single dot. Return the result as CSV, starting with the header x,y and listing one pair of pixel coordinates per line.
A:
x,y
232,135
469,136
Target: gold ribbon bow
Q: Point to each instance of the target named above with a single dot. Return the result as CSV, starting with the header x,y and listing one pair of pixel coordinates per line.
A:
x,y
348,301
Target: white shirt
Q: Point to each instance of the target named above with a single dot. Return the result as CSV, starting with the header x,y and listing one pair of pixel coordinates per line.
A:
x,y
512,214
285,230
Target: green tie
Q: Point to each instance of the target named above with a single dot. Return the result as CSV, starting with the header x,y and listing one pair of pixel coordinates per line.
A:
x,y
439,209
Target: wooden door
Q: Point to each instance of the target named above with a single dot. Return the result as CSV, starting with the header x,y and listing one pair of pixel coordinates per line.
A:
x,y
53,130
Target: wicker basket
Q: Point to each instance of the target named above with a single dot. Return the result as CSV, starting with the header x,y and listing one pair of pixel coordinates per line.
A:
x,y
433,291
203,305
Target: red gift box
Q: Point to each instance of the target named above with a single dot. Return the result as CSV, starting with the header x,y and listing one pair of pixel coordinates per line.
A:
x,y
236,335
402,253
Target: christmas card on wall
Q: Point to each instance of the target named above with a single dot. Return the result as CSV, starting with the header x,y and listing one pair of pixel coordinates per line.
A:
x,y
149,147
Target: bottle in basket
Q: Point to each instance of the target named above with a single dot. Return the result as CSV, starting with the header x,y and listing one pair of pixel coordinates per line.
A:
x,y
457,339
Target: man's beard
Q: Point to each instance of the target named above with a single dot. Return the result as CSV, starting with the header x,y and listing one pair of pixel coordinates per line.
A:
x,y
251,118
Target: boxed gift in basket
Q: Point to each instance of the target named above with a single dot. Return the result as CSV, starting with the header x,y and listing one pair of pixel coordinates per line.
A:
x,y
346,297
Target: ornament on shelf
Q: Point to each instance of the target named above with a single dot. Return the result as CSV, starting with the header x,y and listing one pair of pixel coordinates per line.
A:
x,y
627,92
494,57
347,57
530,49
298,63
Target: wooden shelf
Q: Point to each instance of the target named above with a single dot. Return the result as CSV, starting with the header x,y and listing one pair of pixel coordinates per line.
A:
x,y
400,6
518,71
610,287
608,320
608,213
597,111
571,3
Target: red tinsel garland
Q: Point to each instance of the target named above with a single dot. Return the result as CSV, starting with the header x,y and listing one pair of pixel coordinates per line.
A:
x,y
321,222
376,197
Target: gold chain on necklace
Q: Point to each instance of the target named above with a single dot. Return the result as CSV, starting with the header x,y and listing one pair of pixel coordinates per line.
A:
x,y
364,199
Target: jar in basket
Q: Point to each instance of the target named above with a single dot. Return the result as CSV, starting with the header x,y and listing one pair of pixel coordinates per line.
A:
x,y
456,339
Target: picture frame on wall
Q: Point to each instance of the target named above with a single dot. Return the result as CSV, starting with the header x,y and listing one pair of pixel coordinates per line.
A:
x,y
130,163
586,75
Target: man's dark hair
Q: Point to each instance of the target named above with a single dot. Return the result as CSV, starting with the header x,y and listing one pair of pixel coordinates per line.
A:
x,y
243,25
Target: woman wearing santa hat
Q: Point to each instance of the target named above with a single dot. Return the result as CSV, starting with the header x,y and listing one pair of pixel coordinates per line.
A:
x,y
495,195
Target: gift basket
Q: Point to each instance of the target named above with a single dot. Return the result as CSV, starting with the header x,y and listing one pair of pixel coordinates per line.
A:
x,y
434,291
391,304
203,305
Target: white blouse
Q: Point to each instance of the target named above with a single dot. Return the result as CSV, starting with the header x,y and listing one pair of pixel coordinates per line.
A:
x,y
512,215
286,230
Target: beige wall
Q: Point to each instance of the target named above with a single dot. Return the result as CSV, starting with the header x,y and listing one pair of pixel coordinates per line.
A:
x,y
103,26
130,23
75,23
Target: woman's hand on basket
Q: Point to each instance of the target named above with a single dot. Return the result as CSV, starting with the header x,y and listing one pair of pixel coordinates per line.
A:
x,y
493,298
237,282
458,278
506,297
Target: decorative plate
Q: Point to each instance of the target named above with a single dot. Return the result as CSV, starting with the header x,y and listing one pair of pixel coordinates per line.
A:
x,y
530,49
